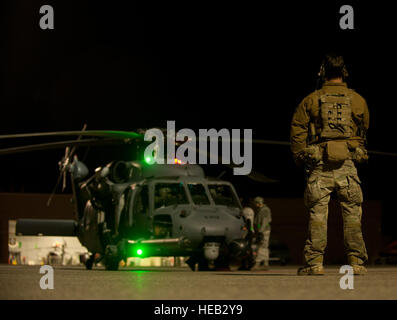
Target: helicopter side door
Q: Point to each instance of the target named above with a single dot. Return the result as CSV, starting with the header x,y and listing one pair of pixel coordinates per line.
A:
x,y
140,207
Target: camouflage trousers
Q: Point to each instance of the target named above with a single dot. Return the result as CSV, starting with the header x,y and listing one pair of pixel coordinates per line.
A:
x,y
323,180
262,249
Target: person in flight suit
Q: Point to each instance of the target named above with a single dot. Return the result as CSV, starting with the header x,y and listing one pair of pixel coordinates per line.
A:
x,y
328,134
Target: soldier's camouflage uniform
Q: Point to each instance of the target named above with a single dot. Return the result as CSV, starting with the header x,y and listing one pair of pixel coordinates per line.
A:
x,y
262,221
324,177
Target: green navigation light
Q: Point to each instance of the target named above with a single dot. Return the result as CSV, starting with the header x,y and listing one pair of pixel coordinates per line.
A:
x,y
139,252
149,160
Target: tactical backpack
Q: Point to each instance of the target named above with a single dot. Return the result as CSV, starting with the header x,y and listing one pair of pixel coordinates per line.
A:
x,y
331,131
336,116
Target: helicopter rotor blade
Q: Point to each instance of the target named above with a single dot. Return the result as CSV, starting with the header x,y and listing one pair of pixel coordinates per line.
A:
x,y
78,139
68,156
381,153
62,173
90,133
64,166
54,190
238,140
60,145
134,135
253,175
285,143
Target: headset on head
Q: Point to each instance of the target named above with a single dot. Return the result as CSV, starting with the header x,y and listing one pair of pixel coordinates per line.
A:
x,y
321,73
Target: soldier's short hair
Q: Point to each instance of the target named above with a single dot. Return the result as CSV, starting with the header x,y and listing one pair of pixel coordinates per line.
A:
x,y
333,66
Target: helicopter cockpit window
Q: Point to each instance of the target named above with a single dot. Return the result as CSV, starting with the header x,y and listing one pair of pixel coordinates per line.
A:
x,y
169,194
197,191
223,195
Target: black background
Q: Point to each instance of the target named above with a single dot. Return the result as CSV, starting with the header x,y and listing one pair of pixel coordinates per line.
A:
x,y
124,66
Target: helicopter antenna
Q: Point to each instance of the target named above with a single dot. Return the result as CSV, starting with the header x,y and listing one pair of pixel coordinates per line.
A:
x,y
221,175
64,165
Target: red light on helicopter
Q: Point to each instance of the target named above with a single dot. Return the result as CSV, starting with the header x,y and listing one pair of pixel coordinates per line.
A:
x,y
177,161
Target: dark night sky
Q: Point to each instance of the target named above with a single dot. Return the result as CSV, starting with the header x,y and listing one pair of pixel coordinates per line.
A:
x,y
123,67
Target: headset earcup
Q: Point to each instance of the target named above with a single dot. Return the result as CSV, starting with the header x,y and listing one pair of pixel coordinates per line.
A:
x,y
345,73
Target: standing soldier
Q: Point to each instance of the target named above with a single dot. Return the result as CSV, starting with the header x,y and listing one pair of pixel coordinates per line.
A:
x,y
262,220
328,135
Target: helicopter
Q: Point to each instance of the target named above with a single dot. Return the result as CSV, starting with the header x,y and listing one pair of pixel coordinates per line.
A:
x,y
138,208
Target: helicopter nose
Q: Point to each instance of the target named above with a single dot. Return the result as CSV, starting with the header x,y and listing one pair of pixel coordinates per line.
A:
x,y
215,230
202,223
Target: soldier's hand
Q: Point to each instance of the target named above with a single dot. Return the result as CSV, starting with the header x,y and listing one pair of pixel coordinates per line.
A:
x,y
312,154
360,155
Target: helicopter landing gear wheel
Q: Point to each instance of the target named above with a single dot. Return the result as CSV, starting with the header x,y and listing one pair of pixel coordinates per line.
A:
x,y
203,265
198,263
90,262
111,258
247,262
241,264
111,263
235,266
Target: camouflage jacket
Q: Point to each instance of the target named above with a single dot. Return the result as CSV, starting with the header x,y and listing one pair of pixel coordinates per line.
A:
x,y
308,111
262,219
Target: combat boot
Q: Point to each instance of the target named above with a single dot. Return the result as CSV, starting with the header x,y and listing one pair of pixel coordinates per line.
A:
x,y
260,267
359,269
311,271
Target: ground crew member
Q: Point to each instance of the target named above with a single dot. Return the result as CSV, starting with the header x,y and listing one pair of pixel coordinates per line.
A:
x,y
249,215
262,220
328,135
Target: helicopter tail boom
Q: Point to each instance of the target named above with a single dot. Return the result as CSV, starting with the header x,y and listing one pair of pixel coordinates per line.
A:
x,y
46,227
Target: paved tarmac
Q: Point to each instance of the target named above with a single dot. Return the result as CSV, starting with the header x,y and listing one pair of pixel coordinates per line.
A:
x,y
23,282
